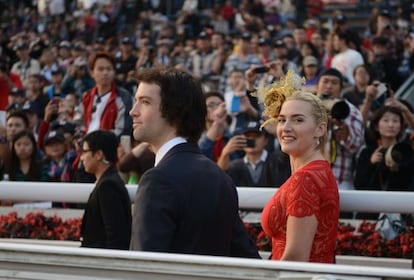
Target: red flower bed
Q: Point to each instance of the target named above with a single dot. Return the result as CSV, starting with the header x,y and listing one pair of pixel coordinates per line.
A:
x,y
37,226
361,241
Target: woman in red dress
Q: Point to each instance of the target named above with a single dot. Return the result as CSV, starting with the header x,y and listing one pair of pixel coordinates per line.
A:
x,y
302,217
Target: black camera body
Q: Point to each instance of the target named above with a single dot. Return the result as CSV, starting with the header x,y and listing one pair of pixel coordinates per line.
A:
x,y
397,154
250,142
338,109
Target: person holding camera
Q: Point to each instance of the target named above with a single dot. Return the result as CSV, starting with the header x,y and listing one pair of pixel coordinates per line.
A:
x,y
345,133
386,162
78,79
258,167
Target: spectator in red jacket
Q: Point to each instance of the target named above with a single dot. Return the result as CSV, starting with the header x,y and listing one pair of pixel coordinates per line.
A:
x,y
106,106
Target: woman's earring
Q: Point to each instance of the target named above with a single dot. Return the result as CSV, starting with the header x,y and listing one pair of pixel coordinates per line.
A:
x,y
318,142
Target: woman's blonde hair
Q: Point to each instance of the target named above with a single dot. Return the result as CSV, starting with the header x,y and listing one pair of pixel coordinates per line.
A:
x,y
290,88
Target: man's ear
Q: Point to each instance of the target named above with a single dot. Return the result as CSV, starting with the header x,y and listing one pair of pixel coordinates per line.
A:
x,y
99,155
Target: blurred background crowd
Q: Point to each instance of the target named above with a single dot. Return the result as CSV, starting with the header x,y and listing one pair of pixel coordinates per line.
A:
x,y
51,83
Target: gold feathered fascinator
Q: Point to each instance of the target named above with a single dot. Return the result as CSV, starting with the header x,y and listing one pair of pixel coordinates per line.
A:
x,y
272,96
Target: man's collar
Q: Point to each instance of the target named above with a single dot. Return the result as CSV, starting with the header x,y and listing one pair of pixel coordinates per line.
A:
x,y
168,146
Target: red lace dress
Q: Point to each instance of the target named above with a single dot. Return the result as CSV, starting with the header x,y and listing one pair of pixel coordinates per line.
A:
x,y
312,190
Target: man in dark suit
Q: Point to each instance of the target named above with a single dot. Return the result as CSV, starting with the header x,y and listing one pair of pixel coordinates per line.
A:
x,y
107,219
185,204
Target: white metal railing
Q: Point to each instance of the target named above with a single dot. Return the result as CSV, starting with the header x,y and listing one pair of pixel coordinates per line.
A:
x,y
249,197
52,262
28,261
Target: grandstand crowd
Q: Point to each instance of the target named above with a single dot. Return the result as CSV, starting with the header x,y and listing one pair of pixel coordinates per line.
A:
x,y
68,68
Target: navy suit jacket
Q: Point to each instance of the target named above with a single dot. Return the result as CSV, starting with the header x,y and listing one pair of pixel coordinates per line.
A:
x,y
107,219
187,204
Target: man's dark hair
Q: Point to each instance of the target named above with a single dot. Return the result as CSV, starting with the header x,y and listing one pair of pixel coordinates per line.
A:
x,y
19,114
332,72
99,55
343,36
105,141
182,100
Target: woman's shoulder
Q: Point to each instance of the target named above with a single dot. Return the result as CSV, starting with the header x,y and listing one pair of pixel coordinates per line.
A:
x,y
316,173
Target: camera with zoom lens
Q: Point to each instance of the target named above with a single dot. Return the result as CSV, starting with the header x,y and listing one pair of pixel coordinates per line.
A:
x,y
337,108
397,154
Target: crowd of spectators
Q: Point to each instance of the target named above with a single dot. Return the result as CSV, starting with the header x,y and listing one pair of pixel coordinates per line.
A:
x,y
52,92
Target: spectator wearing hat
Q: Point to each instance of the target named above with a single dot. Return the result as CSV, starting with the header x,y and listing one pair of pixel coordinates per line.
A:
x,y
290,45
78,50
258,167
55,89
49,62
310,72
307,49
17,96
346,59
64,58
57,159
125,60
384,66
67,128
200,62
26,65
29,108
281,52
78,79
162,52
13,107
340,24
345,136
242,60
385,28
36,94
266,53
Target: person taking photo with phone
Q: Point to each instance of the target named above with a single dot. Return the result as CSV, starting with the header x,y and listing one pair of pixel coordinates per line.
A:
x,y
258,167
242,107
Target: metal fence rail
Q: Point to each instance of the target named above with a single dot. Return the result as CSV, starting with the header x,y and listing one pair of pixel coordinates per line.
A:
x,y
18,261
249,198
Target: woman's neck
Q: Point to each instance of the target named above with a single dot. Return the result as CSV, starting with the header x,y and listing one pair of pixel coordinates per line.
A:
x,y
386,142
25,165
297,162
